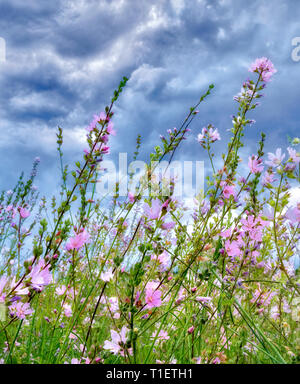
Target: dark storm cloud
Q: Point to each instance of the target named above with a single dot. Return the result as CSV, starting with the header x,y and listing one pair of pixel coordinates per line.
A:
x,y
65,58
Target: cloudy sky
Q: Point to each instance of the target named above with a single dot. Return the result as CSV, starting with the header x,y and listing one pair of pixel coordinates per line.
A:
x,y
64,58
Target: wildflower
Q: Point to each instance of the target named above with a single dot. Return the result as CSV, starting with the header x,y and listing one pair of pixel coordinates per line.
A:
x,y
118,342
131,197
3,281
255,164
204,206
294,156
264,67
262,299
162,336
203,299
208,133
97,118
293,214
226,234
67,310
228,190
20,310
78,241
154,211
275,159
153,295
232,248
107,276
18,288
40,276
110,128
268,178
114,304
169,225
191,330
60,290
24,212
247,93
164,260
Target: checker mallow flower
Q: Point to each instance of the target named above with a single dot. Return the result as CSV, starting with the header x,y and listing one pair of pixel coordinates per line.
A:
x,y
118,342
255,164
78,241
24,212
208,133
153,295
40,276
275,159
153,212
263,66
20,310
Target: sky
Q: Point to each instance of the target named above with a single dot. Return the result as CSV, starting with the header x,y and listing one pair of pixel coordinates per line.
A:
x,y
64,58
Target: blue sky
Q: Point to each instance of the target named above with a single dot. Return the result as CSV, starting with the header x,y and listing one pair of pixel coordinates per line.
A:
x,y
64,58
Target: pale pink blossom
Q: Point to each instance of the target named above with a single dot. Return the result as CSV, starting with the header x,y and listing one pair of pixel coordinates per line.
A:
x,y
118,342
153,295
153,211
20,310
264,67
275,159
78,241
107,276
255,164
24,212
40,276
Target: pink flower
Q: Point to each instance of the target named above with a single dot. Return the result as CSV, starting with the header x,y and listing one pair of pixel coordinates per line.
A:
x,y
294,156
154,211
268,178
110,128
203,299
168,226
97,118
118,342
113,304
60,290
67,310
3,281
232,248
211,134
105,150
164,260
131,197
78,241
107,276
293,214
275,159
255,164
93,123
226,234
20,289
40,276
228,190
20,310
162,336
216,361
263,66
24,212
153,295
